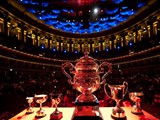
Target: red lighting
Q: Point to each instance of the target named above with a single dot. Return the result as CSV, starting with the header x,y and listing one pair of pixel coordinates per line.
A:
x,y
83,2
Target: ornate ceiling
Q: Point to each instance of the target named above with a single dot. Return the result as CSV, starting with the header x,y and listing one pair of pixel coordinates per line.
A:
x,y
84,16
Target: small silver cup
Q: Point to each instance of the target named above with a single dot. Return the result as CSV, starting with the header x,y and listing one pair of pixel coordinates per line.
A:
x,y
29,101
41,98
56,98
136,98
117,93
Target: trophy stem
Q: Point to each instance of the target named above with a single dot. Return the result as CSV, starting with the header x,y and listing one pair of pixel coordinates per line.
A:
x,y
56,112
40,106
117,103
137,104
29,104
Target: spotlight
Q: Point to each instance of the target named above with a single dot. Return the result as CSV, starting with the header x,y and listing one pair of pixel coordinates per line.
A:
x,y
130,43
96,51
95,10
54,49
42,47
118,47
107,49
65,51
75,51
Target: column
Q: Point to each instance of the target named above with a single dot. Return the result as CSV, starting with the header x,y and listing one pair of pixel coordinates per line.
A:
x,y
139,35
37,39
5,24
1,25
49,45
155,28
25,35
134,37
19,33
22,31
149,30
8,28
70,45
123,39
59,45
80,42
33,39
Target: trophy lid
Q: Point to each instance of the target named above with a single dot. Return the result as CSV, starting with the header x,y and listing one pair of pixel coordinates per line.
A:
x,y
86,63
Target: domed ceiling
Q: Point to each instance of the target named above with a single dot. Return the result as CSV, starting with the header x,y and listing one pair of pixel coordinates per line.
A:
x,y
83,16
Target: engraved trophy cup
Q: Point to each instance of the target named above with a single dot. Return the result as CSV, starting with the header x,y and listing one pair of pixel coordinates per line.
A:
x,y
86,80
41,98
117,93
136,98
29,101
56,99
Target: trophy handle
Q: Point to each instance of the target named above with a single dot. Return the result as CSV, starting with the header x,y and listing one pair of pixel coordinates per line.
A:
x,y
126,88
106,90
70,65
107,73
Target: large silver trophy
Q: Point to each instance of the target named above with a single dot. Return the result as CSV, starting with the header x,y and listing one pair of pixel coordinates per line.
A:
x,y
86,80
117,93
136,97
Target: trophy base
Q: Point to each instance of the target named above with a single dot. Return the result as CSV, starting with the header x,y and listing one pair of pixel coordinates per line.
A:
x,y
40,116
136,110
87,118
118,118
118,113
29,111
56,116
87,111
40,113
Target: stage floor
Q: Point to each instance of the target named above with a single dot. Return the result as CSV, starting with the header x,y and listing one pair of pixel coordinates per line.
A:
x,y
68,111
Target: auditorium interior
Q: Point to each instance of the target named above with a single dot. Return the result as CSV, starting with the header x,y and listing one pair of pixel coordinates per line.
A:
x,y
38,36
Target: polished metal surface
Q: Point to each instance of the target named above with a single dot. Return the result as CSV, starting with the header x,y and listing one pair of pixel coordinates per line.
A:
x,y
29,101
117,93
86,80
56,98
136,98
86,76
41,98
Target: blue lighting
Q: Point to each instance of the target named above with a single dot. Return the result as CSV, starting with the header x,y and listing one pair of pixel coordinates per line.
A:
x,y
130,43
107,49
45,4
31,10
118,47
117,1
54,49
56,11
42,47
65,51
112,16
112,11
141,4
96,51
75,51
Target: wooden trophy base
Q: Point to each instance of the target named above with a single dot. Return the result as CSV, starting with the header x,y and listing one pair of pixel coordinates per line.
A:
x,y
87,111
56,116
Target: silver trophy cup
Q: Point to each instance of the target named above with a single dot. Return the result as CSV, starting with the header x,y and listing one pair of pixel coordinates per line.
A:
x,y
56,98
117,93
41,98
29,101
86,79
136,97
